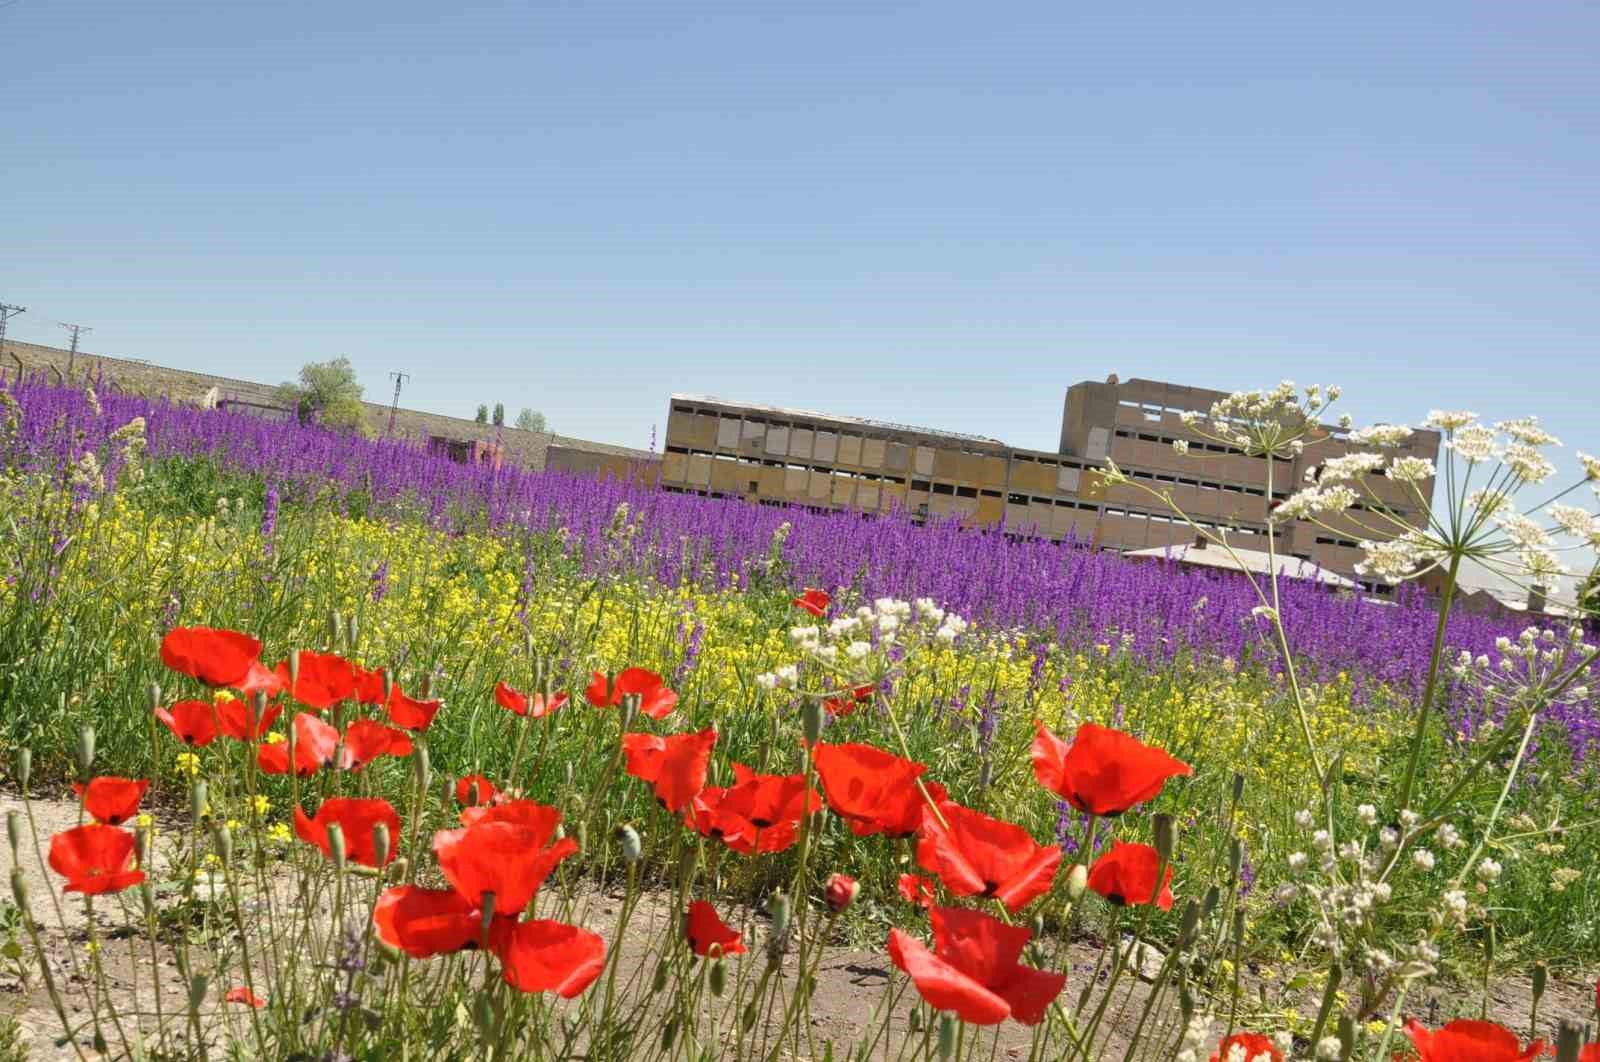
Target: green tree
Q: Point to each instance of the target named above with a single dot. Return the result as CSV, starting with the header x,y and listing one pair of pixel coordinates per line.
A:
x,y
499,414
329,394
483,415
531,420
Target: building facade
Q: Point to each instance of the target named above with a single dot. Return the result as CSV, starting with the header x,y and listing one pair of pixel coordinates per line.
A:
x,y
775,455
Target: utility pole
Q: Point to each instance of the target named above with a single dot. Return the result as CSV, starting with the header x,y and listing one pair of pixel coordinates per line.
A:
x,y
6,313
72,354
398,378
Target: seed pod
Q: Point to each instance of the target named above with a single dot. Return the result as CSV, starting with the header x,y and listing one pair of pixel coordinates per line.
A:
x,y
718,978
1238,787
24,768
628,838
811,720
1166,837
199,807
86,749
568,773
14,832
380,843
947,1037
336,850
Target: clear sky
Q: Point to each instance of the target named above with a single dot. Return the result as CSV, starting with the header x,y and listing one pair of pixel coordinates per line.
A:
x,y
936,213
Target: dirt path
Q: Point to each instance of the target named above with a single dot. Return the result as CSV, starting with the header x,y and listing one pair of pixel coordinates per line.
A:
x,y
849,990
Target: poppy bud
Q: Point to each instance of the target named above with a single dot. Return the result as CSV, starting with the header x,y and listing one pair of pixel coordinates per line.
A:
x,y
380,843
350,632
840,891
1238,926
487,911
947,1037
628,838
1212,898
19,888
629,709
99,1043
1569,1042
141,844
778,906
199,808
147,898
719,977
1038,925
569,774
811,720
483,1013
85,749
1077,881
561,832
294,670
747,1020
222,840
24,767
1166,837
1238,787
335,625
985,773
154,691
13,832
914,1019
1541,979
291,738
388,683
425,685
658,981
669,1033
336,845
197,990
1189,921
399,868
582,835
420,765
1235,857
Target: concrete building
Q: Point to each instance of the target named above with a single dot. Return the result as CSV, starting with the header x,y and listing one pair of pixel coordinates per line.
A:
x,y
774,455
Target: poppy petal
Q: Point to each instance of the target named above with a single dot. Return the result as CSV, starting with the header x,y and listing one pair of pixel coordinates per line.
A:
x,y
547,956
424,922
944,986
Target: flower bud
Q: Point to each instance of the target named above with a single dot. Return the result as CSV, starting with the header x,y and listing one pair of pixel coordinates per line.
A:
x,y
335,625
336,850
399,868
1077,882
1166,837
351,629
811,720
947,1037
629,710
24,768
85,750
1235,858
388,684
628,838
669,1034
747,1020
1188,922
425,685
420,766
199,807
380,843
718,977
658,981
294,671
153,700
1213,897
143,837
197,990
1541,978
19,888
222,841
778,907
914,1019
1238,787
1569,1043
486,910
14,832
840,891
985,773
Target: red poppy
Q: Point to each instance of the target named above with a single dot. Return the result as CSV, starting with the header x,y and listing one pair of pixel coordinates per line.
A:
x,y
1103,771
1470,1041
475,791
192,722
706,930
675,765
508,851
425,922
366,739
873,790
369,684
976,855
840,891
1589,1053
241,994
759,812
94,859
324,680
409,712
1246,1047
260,680
655,700
237,719
214,657
1127,875
315,743
839,707
545,956
973,969
356,818
535,705
112,801
916,889
813,601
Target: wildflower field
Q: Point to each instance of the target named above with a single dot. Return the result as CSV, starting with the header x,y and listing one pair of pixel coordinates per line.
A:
x,y
367,754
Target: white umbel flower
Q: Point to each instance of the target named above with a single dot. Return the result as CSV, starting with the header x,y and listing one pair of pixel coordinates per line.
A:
x,y
1411,469
1528,463
1449,420
1591,465
1475,443
1526,430
1387,436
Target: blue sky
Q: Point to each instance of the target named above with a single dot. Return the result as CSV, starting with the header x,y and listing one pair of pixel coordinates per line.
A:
x,y
937,213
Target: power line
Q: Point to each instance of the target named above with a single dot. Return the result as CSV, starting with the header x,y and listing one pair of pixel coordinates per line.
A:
x,y
6,313
398,378
72,354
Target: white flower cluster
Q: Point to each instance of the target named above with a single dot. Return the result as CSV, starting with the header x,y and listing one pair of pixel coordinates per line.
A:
x,y
853,649
1310,502
1398,558
1534,671
1387,436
